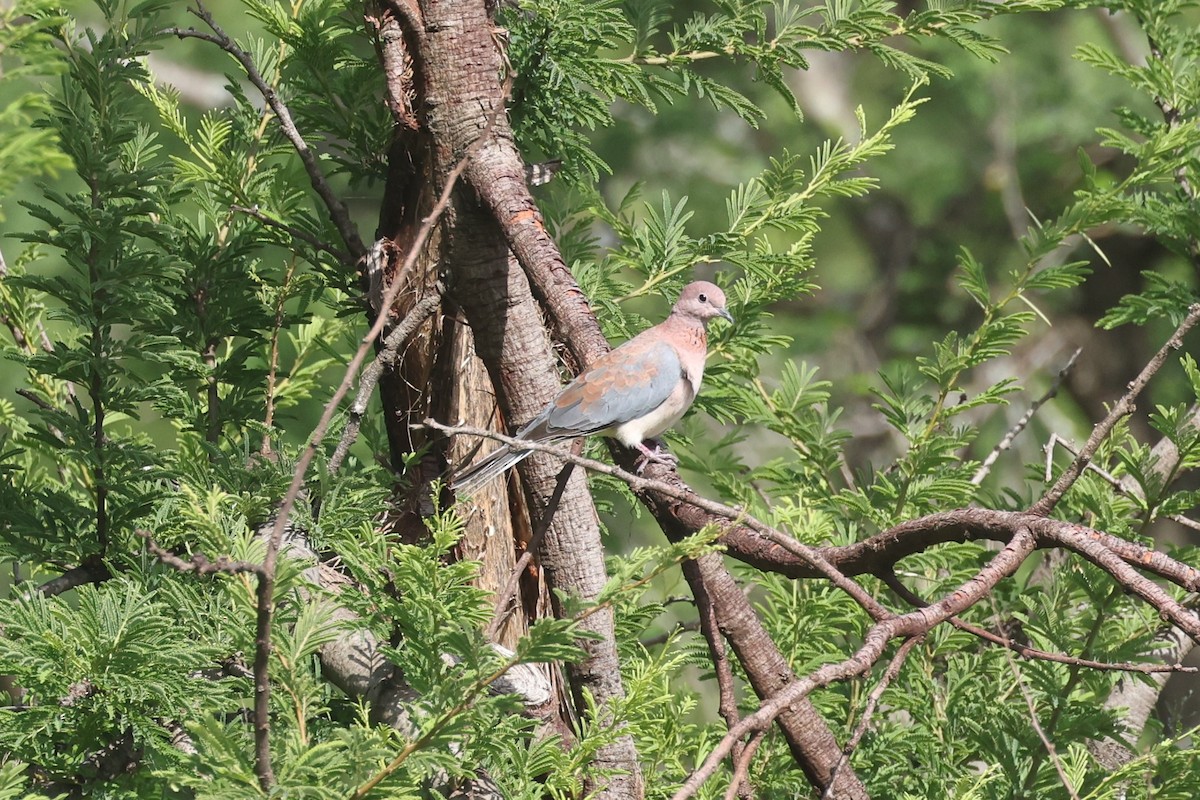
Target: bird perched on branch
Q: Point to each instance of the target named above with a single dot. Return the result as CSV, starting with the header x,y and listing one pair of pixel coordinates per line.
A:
x,y
632,393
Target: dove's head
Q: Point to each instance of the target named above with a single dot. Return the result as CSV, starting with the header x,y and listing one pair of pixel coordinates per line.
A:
x,y
703,301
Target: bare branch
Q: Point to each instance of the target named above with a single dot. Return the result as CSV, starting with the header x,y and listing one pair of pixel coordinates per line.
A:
x,y
739,784
889,675
199,563
92,570
1051,751
1123,407
386,359
505,596
1025,651
638,483
1025,419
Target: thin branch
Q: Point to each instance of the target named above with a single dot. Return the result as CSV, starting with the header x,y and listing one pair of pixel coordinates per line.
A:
x,y
727,705
37,401
505,596
1051,751
662,638
434,730
638,483
93,570
1025,419
341,256
198,562
739,784
338,212
1129,489
266,583
889,675
1025,651
273,357
876,554
1174,119
1123,407
386,360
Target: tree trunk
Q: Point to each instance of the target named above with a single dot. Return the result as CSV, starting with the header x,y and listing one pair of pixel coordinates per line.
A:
x,y
449,54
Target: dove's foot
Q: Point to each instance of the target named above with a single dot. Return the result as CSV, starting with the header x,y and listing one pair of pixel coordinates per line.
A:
x,y
658,455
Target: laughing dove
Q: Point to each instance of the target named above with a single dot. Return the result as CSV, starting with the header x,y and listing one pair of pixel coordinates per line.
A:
x,y
631,394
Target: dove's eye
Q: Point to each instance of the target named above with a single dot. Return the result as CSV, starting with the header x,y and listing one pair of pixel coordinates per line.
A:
x,y
703,297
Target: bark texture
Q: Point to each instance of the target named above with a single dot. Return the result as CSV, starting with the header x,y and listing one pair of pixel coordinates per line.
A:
x,y
457,60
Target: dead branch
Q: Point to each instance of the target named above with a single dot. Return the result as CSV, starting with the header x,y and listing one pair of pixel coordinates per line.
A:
x,y
386,359
1122,408
505,596
889,675
1033,653
1011,435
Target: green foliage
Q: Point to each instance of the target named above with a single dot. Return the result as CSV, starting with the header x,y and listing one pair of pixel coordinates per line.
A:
x,y
27,55
192,346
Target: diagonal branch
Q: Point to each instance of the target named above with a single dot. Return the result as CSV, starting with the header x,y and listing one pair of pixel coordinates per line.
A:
x,y
1122,408
889,675
639,484
1015,431
338,212
387,358
1033,653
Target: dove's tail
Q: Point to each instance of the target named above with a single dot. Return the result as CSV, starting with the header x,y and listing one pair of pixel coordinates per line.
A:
x,y
477,475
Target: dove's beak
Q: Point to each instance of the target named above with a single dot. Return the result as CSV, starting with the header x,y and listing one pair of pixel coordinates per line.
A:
x,y
725,313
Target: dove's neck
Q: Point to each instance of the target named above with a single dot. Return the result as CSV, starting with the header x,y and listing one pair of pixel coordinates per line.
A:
x,y
689,337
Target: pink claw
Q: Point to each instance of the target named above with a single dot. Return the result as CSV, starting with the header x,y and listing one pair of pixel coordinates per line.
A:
x,y
658,455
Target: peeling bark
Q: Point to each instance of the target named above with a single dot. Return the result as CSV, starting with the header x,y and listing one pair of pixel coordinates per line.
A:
x,y
463,101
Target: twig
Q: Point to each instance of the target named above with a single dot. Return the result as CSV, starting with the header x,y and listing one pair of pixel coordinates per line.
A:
x,y
1025,419
1025,651
506,595
727,705
737,515
662,638
1120,486
1174,119
341,256
1051,751
93,570
37,401
338,212
741,769
199,563
273,357
889,675
264,590
386,359
1123,407
267,581
436,728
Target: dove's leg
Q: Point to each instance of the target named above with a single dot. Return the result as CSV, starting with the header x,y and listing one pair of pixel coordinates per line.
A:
x,y
658,455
